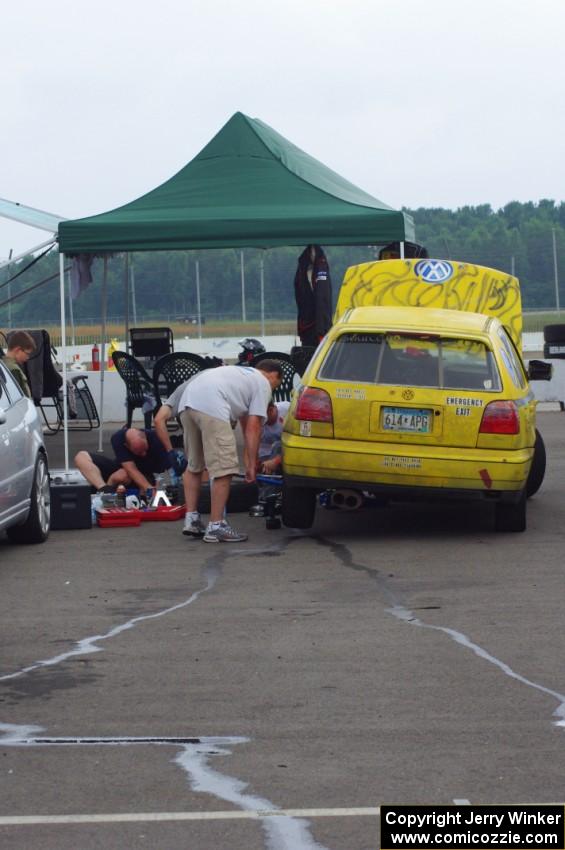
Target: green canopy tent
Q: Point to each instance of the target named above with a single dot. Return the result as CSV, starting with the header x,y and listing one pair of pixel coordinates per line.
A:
x,y
248,187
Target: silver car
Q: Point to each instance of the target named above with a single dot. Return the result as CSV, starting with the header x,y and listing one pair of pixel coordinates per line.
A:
x,y
24,476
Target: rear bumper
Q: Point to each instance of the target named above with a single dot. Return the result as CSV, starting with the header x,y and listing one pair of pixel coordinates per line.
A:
x,y
405,471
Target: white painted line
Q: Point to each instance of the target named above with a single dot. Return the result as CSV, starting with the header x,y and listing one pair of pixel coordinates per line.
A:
x,y
136,817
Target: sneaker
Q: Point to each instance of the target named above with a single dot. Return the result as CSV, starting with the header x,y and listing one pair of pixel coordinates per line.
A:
x,y
193,526
221,532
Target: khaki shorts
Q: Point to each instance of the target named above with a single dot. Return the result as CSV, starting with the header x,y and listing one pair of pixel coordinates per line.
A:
x,y
209,443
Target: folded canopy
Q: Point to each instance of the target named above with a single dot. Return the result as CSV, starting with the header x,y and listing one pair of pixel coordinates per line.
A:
x,y
248,187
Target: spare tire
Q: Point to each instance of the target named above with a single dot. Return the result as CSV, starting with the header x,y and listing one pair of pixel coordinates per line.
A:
x,y
242,497
554,333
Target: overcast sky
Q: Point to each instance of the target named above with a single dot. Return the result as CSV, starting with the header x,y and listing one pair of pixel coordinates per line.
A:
x,y
419,102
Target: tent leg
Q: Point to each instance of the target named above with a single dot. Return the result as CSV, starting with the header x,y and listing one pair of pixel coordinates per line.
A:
x,y
64,358
103,350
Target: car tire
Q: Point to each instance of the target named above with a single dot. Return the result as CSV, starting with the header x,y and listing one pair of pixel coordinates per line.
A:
x,y
37,526
537,469
298,507
511,516
554,333
242,497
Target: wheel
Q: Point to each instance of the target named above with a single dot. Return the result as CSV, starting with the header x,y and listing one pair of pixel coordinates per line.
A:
x,y
242,497
554,333
298,507
36,527
537,469
511,516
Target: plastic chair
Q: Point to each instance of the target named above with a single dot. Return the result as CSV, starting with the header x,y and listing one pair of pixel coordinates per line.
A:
x,y
172,370
139,386
284,392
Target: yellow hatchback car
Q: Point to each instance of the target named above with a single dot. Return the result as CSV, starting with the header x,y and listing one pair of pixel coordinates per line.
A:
x,y
411,402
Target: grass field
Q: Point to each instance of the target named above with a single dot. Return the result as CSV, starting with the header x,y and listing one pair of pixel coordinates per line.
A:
x,y
88,334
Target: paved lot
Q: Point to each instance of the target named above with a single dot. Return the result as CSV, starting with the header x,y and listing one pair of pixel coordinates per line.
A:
x,y
163,693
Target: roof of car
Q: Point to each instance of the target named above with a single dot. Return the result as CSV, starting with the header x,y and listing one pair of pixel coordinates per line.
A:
x,y
421,318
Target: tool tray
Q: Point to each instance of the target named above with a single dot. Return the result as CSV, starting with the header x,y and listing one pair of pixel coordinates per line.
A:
x,y
122,517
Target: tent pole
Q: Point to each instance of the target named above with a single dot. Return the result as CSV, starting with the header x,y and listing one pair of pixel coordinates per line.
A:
x,y
243,316
402,250
197,264
103,350
126,294
262,269
64,357
10,295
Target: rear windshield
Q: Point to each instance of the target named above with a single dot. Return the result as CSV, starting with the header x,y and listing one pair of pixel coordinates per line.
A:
x,y
416,360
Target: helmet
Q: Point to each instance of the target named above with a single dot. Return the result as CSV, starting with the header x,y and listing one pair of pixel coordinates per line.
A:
x,y
251,347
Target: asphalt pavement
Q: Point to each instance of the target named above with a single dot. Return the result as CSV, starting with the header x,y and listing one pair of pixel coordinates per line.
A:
x,y
160,692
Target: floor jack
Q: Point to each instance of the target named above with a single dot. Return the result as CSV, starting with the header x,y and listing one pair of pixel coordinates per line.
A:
x,y
270,503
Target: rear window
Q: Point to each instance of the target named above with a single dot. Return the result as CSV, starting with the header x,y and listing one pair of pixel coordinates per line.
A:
x,y
417,360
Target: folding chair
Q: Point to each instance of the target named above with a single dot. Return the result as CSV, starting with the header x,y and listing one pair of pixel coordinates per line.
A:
x,y
148,344
46,383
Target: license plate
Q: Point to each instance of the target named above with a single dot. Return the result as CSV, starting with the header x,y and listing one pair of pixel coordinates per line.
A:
x,y
412,420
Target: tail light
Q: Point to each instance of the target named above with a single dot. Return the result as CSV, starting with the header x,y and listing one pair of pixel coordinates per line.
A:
x,y
500,417
314,405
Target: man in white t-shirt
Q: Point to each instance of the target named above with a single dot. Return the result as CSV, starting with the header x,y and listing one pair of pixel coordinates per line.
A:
x,y
210,406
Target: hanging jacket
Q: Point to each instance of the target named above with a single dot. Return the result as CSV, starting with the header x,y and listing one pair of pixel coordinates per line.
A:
x,y
313,294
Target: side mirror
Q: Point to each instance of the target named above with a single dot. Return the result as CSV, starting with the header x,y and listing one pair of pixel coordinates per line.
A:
x,y
539,370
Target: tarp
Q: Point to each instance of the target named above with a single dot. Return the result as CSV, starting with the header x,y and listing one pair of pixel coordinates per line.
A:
x,y
248,187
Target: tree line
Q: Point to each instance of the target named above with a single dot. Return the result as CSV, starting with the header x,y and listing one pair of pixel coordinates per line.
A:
x,y
517,238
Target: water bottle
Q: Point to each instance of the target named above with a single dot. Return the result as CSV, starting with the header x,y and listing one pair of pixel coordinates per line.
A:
x,y
95,505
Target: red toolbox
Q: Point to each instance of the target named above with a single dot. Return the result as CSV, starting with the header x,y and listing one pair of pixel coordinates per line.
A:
x,y
117,517
164,513
122,517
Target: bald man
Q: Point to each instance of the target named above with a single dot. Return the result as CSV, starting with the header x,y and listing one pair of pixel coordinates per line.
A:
x,y
139,455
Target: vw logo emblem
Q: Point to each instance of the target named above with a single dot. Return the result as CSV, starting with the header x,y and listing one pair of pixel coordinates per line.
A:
x,y
433,271
407,395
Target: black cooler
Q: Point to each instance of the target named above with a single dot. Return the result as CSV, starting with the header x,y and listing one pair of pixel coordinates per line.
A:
x,y
70,500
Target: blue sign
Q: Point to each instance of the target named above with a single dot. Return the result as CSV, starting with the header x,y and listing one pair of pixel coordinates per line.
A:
x,y
433,271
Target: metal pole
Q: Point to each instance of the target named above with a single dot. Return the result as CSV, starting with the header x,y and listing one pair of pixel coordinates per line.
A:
x,y
133,304
555,269
64,357
71,313
197,265
103,350
126,282
10,294
243,316
262,269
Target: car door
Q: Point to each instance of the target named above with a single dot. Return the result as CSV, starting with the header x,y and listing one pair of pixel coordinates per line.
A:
x,y
16,450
